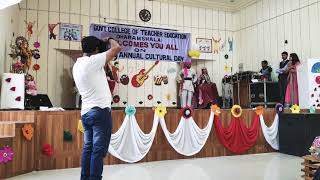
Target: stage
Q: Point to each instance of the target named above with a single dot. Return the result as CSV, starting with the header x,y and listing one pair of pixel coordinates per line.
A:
x,y
49,127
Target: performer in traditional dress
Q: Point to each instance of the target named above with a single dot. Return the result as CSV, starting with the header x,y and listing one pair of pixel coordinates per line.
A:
x,y
187,78
292,88
208,93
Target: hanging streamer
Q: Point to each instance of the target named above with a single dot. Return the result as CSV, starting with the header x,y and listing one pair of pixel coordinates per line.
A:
x,y
237,138
188,139
271,134
130,143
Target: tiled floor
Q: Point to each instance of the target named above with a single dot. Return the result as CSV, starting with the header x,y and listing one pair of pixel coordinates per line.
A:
x,y
271,166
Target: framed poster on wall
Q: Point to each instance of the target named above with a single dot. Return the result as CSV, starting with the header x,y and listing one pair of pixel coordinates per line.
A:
x,y
205,45
70,32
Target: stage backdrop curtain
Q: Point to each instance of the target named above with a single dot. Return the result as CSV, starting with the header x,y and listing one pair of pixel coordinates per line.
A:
x,y
271,134
188,139
130,144
237,138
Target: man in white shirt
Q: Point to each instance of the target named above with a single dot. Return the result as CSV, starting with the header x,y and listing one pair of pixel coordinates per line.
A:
x,y
91,81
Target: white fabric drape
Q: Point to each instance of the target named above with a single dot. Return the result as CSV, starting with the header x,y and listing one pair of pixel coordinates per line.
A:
x,y
188,139
130,143
271,133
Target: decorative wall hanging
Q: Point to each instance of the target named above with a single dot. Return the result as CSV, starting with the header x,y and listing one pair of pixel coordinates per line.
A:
x,y
295,109
36,54
236,111
312,110
226,56
27,131
279,108
194,54
116,99
47,150
167,97
171,70
161,111
227,68
230,41
140,102
165,79
237,138
315,68
13,89
150,97
223,46
21,52
186,112
51,27
271,134
216,45
157,80
67,136
36,44
124,102
158,102
130,110
29,29
215,109
139,79
188,139
36,67
124,79
130,144
205,45
259,110
80,126
70,32
6,155
145,15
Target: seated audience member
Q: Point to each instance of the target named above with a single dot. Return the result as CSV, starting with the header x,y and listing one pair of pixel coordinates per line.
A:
x,y
266,70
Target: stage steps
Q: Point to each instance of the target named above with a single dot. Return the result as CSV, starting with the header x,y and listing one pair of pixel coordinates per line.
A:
x,y
310,165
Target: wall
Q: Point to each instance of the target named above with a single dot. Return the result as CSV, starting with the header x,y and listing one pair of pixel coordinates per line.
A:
x,y
54,77
263,27
9,23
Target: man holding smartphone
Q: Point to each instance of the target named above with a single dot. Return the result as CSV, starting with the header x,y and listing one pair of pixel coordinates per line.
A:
x,y
90,79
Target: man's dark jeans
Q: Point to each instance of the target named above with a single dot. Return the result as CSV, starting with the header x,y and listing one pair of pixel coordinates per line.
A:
x,y
97,124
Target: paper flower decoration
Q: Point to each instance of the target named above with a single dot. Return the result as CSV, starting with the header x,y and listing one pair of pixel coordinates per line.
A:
x,y
67,136
168,97
215,109
227,68
312,110
130,110
259,110
161,111
35,54
187,112
279,108
27,131
116,98
316,142
236,111
36,44
36,67
80,126
6,155
295,109
47,150
150,97
194,54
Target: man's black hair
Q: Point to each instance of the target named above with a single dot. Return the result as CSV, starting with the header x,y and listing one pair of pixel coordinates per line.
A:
x,y
264,62
90,44
285,52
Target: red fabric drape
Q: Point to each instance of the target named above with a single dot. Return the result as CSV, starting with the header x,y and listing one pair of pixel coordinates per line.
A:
x,y
237,138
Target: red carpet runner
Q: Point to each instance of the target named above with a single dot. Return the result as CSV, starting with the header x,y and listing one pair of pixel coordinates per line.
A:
x,y
237,138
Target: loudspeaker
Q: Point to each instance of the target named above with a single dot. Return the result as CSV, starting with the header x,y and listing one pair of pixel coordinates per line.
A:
x,y
34,102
